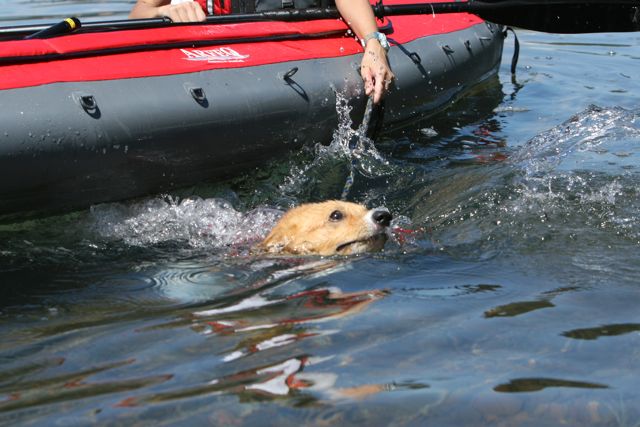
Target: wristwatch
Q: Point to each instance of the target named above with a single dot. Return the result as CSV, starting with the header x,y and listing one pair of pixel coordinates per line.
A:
x,y
376,35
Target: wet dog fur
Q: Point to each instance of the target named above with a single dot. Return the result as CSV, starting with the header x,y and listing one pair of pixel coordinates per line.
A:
x,y
328,228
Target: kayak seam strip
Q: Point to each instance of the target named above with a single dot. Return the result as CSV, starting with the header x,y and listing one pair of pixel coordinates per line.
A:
x,y
163,46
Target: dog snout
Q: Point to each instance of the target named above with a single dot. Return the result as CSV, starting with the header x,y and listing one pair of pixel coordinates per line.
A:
x,y
382,217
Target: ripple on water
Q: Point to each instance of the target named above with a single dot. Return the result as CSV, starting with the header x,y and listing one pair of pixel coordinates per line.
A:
x,y
186,282
575,173
597,139
553,192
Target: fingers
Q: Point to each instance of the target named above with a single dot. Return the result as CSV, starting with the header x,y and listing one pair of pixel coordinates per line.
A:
x,y
196,13
380,86
389,78
376,75
382,83
369,81
185,12
374,84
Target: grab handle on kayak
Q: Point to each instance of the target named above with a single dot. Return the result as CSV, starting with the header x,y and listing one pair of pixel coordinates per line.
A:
x,y
287,76
198,94
88,102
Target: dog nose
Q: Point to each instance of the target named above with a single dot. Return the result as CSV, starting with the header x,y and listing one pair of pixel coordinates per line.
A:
x,y
382,217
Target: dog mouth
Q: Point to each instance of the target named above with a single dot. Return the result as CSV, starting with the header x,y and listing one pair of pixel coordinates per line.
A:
x,y
375,241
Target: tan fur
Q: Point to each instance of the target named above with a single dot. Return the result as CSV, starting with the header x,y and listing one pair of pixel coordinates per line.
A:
x,y
308,229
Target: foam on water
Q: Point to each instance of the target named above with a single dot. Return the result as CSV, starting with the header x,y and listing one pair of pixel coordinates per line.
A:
x,y
199,222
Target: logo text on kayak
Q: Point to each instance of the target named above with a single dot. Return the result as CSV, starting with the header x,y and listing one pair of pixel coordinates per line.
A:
x,y
222,54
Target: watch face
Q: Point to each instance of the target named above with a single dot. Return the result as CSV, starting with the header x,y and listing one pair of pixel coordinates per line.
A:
x,y
383,41
378,36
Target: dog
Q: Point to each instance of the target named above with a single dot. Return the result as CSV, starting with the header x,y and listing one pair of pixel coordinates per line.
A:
x,y
328,228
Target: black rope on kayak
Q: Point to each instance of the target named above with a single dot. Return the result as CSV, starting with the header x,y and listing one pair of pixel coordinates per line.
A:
x,y
287,76
353,143
376,120
348,183
516,50
415,58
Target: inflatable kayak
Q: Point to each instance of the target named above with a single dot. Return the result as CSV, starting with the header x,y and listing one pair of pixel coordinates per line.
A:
x,y
115,113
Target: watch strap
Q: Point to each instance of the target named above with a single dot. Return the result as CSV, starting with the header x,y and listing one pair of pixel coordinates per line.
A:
x,y
378,36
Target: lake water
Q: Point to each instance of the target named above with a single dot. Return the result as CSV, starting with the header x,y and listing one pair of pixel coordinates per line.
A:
x,y
512,300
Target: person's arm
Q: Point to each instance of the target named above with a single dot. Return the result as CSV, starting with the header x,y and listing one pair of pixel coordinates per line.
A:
x,y
183,12
374,69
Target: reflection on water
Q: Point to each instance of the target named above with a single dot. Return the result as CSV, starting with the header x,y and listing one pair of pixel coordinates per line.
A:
x,y
508,296
518,308
44,12
536,384
602,331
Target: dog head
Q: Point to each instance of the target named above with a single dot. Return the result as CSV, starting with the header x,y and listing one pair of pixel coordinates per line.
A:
x,y
328,228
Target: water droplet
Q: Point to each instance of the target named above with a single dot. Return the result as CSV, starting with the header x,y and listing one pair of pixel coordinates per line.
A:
x,y
429,132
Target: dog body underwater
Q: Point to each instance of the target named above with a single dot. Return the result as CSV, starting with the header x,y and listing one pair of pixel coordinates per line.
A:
x,y
328,228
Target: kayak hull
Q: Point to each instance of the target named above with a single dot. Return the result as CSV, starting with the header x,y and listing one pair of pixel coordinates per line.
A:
x,y
68,145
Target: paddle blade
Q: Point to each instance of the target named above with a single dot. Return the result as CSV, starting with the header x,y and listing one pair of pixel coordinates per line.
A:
x,y
562,16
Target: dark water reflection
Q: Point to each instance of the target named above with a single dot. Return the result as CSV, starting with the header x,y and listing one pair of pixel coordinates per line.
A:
x,y
508,296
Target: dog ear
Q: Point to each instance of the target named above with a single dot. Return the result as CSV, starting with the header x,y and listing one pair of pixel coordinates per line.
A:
x,y
282,240
275,242
272,246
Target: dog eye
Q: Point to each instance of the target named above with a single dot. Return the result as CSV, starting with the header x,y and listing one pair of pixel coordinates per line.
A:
x,y
336,216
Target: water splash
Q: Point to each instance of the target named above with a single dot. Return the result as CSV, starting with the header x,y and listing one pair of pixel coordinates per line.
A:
x,y
571,186
330,164
584,169
597,139
215,223
210,223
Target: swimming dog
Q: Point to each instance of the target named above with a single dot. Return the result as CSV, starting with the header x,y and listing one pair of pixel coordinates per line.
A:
x,y
328,228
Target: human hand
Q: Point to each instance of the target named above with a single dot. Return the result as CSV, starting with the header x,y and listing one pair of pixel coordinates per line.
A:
x,y
375,70
189,11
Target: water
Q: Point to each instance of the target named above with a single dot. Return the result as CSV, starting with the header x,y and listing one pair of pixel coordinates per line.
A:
x,y
508,295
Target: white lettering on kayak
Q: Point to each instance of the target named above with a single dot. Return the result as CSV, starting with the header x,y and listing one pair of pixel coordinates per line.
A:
x,y
222,54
